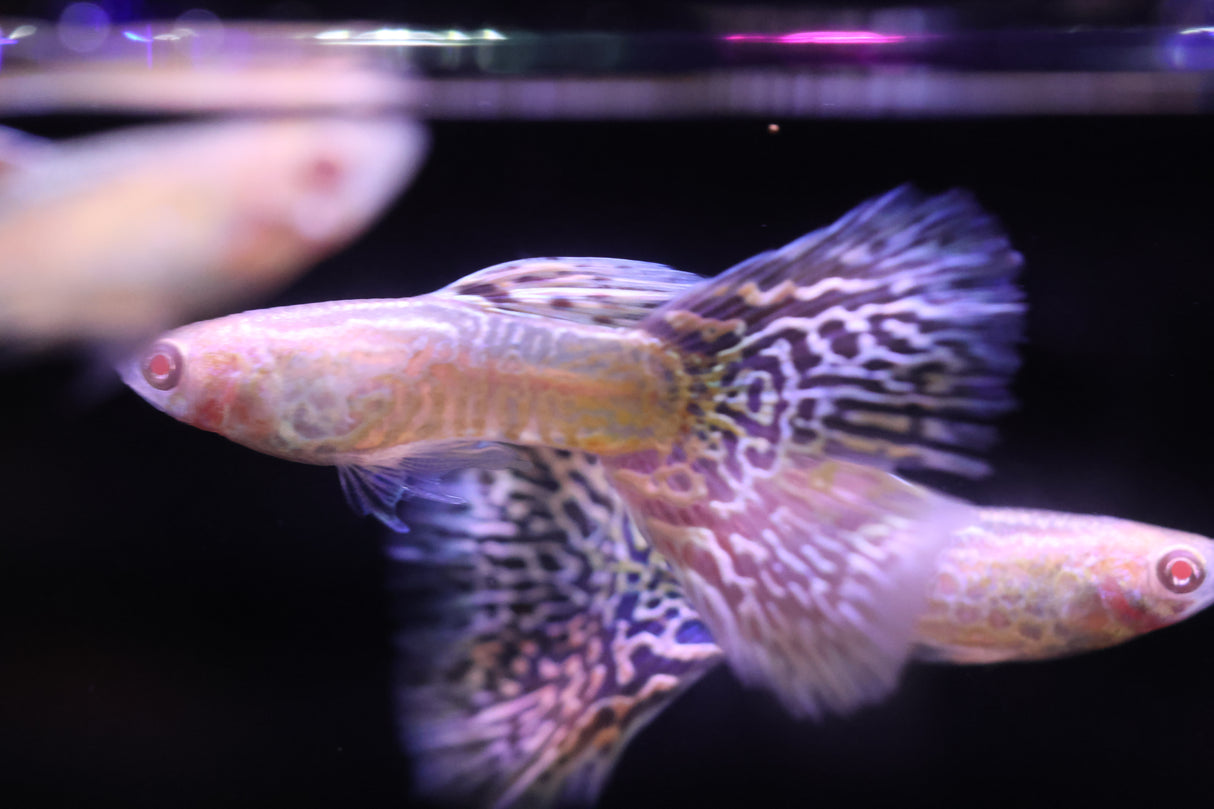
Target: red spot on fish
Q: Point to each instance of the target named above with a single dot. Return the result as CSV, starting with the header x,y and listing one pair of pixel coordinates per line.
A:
x,y
209,414
1128,607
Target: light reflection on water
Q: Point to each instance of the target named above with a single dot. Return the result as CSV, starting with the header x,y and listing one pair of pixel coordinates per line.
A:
x,y
918,65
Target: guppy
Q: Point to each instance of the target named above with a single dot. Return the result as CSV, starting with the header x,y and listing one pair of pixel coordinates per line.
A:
x,y
117,236
624,473
541,631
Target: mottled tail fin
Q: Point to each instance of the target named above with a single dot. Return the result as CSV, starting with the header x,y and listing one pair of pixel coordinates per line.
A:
x,y
540,633
887,338
882,341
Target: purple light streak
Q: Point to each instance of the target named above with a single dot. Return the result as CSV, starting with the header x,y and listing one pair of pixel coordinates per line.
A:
x,y
820,38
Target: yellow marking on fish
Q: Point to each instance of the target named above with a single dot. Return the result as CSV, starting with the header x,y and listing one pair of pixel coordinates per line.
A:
x,y
708,328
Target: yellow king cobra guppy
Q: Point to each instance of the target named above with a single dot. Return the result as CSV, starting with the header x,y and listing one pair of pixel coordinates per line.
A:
x,y
621,474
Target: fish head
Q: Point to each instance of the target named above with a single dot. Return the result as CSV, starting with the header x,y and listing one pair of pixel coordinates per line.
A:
x,y
294,191
1164,580
315,183
280,381
212,375
1124,579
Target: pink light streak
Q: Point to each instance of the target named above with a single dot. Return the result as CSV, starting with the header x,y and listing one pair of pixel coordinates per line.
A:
x,y
820,38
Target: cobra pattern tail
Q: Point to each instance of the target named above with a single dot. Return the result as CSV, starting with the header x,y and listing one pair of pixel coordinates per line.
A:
x,y
887,338
541,631
882,341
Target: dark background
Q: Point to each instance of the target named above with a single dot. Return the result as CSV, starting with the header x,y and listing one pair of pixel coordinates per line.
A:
x,y
187,623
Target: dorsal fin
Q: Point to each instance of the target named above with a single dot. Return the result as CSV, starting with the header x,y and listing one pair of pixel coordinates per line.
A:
x,y
604,291
540,633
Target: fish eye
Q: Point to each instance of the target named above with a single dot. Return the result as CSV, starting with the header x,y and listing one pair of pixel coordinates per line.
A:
x,y
324,174
162,366
1180,570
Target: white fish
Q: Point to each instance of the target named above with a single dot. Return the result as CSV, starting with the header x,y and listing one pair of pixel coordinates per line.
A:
x,y
120,235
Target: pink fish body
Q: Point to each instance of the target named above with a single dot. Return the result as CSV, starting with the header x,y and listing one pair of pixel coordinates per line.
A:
x,y
120,235
370,383
1019,584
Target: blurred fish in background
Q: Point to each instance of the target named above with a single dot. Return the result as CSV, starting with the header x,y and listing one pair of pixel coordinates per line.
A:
x,y
115,236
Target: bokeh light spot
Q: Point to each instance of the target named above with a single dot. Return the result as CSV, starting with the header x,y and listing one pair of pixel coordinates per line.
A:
x,y
83,27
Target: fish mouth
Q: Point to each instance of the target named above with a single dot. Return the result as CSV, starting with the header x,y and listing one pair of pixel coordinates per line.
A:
x,y
128,368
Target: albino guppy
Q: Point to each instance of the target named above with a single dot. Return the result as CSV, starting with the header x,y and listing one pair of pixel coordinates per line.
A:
x,y
120,235
542,632
676,470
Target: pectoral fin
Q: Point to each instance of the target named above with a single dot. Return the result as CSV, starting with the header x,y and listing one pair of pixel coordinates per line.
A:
x,y
379,490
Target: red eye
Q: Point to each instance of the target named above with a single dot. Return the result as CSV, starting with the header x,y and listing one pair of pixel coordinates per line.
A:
x,y
162,366
1181,571
324,175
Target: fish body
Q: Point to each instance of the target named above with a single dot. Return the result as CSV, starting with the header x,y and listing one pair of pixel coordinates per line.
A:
x,y
370,382
1023,584
621,475
120,235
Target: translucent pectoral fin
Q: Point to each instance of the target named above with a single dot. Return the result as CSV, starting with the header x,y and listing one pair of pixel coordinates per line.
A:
x,y
539,633
379,490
